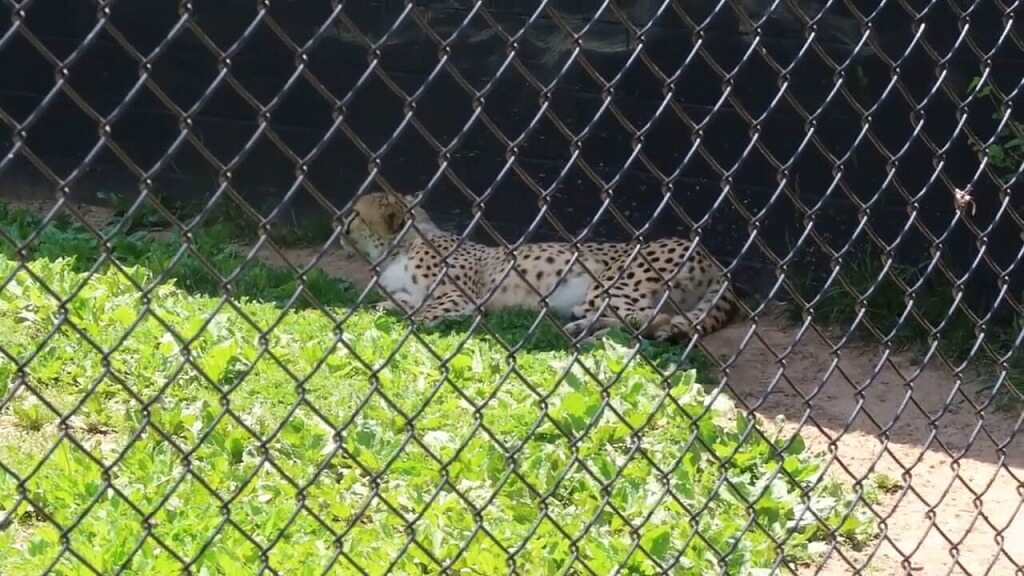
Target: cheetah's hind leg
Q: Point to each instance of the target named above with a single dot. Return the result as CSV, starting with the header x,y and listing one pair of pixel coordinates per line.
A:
x,y
672,329
709,315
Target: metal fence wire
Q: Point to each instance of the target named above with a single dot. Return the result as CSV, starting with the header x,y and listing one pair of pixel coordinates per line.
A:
x,y
183,390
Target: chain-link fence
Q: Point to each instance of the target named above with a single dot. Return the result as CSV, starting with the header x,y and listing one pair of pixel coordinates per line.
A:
x,y
273,298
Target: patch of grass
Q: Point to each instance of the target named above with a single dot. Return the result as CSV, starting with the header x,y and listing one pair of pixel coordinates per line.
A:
x,y
225,215
173,430
208,266
888,316
309,229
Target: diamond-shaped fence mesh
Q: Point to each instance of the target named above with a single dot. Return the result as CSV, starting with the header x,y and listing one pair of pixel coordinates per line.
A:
x,y
473,287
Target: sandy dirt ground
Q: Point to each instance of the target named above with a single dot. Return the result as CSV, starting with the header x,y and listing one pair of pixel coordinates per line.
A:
x,y
957,509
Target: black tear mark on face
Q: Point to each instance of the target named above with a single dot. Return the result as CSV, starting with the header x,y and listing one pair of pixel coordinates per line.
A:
x,y
395,221
347,229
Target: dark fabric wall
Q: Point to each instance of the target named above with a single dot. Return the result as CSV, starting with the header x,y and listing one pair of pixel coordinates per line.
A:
x,y
761,112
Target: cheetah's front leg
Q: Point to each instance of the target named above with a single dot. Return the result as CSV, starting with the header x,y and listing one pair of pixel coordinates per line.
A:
x,y
590,329
400,303
451,303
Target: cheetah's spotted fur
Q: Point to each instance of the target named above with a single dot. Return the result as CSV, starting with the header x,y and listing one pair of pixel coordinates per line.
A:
x,y
634,283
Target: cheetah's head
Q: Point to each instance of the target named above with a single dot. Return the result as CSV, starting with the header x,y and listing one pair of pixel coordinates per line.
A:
x,y
378,218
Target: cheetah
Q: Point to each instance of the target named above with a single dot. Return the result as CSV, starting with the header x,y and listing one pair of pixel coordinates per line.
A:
x,y
633,276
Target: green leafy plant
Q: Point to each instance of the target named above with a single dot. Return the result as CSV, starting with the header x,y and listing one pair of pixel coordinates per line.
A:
x,y
247,436
31,414
1006,152
144,217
